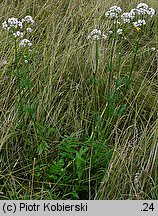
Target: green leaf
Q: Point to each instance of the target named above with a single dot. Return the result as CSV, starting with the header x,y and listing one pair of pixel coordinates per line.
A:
x,y
43,147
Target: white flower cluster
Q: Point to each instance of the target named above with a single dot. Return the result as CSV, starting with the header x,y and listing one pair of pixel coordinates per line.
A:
x,y
141,9
4,62
113,12
18,34
96,35
29,30
28,19
5,25
119,31
135,16
25,43
142,5
12,24
26,61
151,12
19,28
128,16
110,32
139,23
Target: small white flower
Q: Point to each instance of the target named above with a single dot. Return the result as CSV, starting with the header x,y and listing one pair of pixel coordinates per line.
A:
x,y
12,25
104,36
142,5
139,23
119,31
4,62
20,24
25,42
153,48
89,37
133,12
113,12
18,34
116,9
96,35
13,22
110,31
14,34
142,11
26,61
28,19
151,12
29,44
95,31
29,30
127,16
4,25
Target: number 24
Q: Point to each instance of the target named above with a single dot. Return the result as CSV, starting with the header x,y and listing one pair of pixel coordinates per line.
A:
x,y
148,207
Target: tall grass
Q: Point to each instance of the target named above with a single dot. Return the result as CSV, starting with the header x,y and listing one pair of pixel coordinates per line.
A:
x,y
61,145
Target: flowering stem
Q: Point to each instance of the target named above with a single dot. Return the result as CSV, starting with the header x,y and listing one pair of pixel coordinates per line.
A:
x,y
96,56
135,51
96,101
27,66
29,86
110,73
95,73
18,74
110,68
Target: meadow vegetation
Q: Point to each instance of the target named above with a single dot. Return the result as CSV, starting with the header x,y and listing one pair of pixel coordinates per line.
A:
x,y
78,100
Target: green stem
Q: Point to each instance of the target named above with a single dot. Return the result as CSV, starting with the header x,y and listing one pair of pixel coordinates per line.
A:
x,y
18,74
110,68
95,73
134,58
110,65
95,85
96,56
29,89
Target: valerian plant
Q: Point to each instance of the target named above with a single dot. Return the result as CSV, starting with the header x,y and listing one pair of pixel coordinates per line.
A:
x,y
19,31
122,24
